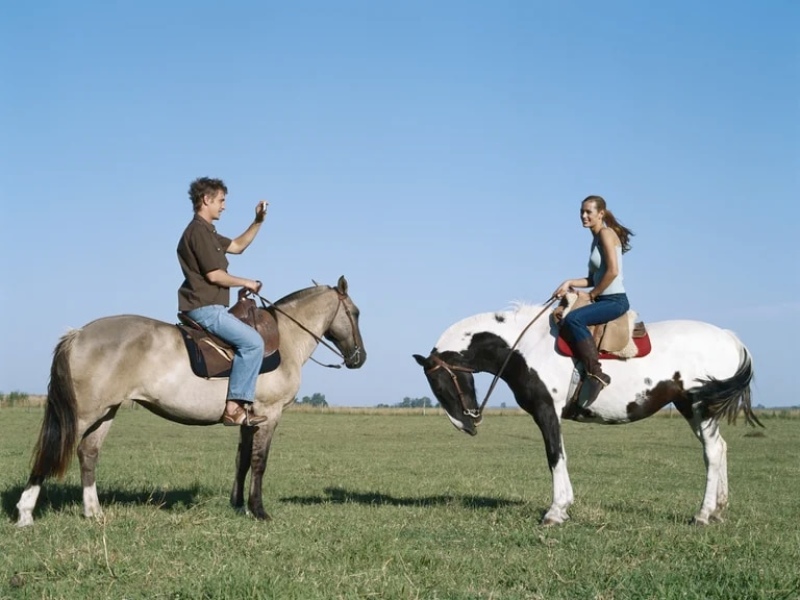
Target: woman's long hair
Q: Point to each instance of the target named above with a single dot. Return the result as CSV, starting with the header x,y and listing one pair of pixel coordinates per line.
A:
x,y
622,232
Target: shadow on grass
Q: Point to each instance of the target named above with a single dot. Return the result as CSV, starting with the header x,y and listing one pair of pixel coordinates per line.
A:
x,y
54,498
336,495
651,512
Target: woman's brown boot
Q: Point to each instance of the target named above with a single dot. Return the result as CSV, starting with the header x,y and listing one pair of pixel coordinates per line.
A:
x,y
594,380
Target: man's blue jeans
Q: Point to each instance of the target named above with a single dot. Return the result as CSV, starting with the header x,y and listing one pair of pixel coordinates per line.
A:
x,y
602,310
247,342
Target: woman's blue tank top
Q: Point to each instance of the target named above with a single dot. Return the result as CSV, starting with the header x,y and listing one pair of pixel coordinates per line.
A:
x,y
597,268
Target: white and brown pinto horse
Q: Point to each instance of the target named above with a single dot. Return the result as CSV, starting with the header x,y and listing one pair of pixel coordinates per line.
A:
x,y
133,358
704,371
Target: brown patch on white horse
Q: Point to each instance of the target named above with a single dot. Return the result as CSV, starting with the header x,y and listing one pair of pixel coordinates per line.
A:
x,y
652,400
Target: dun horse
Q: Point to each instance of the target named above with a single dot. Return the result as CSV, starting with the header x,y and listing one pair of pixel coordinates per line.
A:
x,y
704,371
133,358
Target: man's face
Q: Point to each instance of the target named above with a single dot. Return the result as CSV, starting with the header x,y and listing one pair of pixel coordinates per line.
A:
x,y
215,204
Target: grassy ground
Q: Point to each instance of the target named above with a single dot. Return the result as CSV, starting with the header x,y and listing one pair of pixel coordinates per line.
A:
x,y
404,506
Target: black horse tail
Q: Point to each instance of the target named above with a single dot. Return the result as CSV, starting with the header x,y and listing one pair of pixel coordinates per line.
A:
x,y
54,448
718,398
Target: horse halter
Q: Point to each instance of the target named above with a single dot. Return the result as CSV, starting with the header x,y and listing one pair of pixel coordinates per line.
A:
x,y
439,363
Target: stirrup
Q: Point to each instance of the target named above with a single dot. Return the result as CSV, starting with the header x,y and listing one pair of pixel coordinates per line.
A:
x,y
242,418
596,383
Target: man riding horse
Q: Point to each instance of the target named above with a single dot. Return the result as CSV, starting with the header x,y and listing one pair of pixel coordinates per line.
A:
x,y
204,295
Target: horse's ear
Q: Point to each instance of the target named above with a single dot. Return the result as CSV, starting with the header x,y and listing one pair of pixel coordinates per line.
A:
x,y
423,362
342,285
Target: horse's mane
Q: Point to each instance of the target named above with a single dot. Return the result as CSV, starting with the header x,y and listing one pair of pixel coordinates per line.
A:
x,y
300,294
489,321
518,306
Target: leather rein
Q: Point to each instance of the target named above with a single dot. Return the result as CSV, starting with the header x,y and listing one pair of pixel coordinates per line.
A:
x,y
440,363
342,297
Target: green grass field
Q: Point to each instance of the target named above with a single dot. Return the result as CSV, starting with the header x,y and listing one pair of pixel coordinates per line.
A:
x,y
404,506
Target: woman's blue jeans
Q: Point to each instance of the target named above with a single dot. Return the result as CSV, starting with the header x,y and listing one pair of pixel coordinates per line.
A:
x,y
248,345
602,310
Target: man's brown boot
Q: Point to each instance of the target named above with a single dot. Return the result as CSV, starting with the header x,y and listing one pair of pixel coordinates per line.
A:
x,y
243,416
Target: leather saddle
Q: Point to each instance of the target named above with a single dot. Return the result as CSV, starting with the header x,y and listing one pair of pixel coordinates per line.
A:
x,y
211,356
621,339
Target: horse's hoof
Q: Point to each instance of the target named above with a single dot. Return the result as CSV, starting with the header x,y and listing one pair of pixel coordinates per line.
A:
x,y
551,521
699,521
717,518
25,521
259,514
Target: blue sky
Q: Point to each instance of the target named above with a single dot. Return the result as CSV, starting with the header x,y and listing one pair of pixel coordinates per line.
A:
x,y
433,152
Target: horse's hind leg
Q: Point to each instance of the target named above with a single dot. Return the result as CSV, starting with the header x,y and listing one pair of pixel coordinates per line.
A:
x,y
88,451
244,454
714,456
722,484
27,502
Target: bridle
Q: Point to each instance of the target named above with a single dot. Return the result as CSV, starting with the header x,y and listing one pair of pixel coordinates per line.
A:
x,y
439,363
356,353
353,356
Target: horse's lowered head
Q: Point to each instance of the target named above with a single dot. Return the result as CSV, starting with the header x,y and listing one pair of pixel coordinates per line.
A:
x,y
343,331
454,387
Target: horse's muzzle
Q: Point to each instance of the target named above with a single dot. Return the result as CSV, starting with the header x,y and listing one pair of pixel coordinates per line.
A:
x,y
356,358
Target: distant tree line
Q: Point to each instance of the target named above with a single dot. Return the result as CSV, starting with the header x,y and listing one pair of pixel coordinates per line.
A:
x,y
316,399
13,398
407,402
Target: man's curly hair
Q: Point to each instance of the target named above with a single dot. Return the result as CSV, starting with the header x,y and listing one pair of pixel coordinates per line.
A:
x,y
204,186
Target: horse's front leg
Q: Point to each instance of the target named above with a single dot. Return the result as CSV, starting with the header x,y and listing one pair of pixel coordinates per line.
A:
x,y
244,453
546,417
563,496
262,439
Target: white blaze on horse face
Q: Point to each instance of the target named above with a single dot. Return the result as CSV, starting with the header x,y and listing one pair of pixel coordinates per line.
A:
x,y
458,424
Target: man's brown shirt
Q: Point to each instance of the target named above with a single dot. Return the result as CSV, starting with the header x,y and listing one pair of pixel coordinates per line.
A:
x,y
201,250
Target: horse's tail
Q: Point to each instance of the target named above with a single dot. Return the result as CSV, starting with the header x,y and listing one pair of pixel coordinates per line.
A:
x,y
53,451
720,398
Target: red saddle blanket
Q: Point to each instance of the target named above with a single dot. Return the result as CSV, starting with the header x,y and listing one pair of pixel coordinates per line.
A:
x,y
642,345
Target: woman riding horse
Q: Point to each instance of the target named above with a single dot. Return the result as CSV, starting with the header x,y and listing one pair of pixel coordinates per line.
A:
x,y
204,295
608,299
